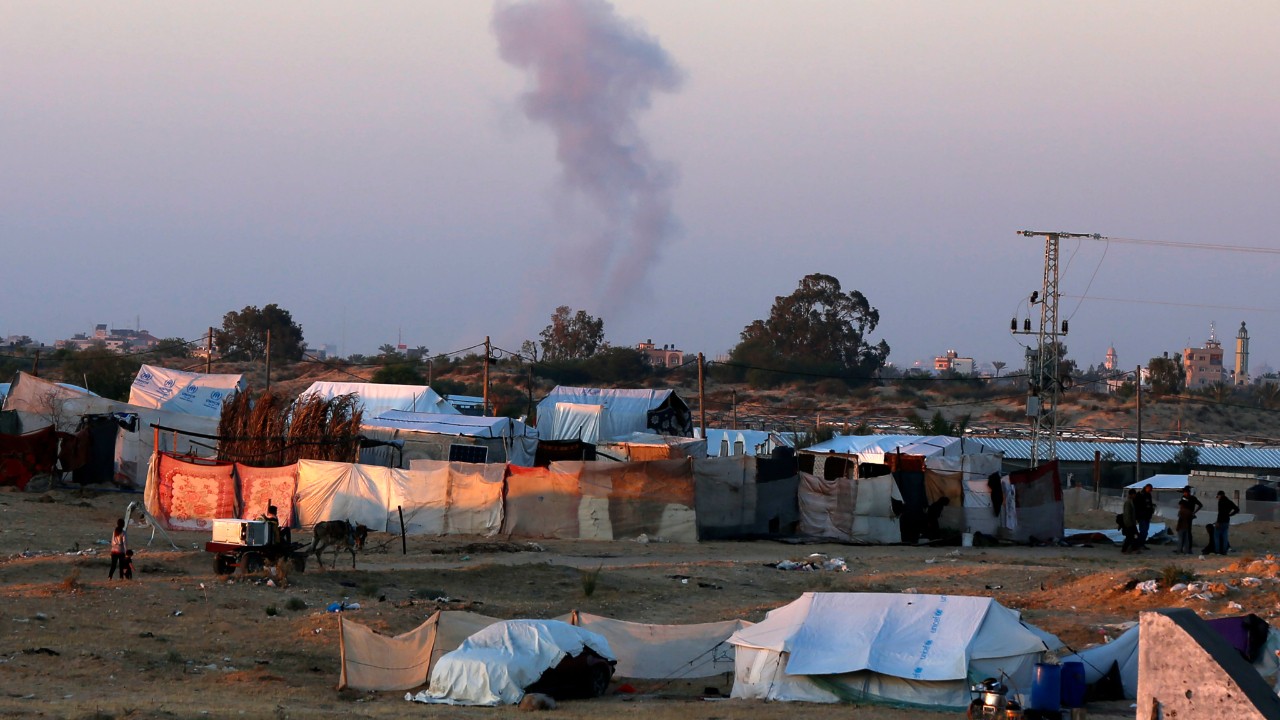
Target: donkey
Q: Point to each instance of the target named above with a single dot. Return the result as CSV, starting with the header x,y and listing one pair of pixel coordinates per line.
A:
x,y
341,534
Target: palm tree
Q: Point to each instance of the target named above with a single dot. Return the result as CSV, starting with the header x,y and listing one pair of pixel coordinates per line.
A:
x,y
998,365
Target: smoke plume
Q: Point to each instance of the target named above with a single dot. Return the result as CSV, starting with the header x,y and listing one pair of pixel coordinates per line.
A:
x,y
591,74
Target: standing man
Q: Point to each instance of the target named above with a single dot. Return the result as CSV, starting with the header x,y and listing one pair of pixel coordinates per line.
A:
x,y
1226,509
1129,523
1188,505
1145,508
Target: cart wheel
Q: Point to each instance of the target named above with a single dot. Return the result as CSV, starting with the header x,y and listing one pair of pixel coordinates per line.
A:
x,y
223,565
251,561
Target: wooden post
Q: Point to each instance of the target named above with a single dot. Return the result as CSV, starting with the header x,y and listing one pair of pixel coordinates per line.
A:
x,y
1097,479
208,352
404,547
35,366
1137,467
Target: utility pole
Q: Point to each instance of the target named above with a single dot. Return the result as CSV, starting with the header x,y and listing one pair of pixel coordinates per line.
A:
x,y
702,399
208,352
485,412
268,358
1044,384
1137,383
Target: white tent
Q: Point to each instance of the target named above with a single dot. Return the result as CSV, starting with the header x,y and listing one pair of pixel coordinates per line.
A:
x,y
183,392
592,414
376,398
722,443
495,665
903,649
849,509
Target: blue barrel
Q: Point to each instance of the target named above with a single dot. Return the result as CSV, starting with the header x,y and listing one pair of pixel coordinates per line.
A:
x,y
1046,687
1072,684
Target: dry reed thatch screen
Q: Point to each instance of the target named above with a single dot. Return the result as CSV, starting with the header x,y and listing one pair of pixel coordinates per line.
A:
x,y
270,432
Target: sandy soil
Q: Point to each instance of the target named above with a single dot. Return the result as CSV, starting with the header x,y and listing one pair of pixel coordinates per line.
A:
x,y
179,641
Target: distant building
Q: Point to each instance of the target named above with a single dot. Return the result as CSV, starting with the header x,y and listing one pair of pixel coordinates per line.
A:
x,y
666,356
1203,365
952,361
115,340
1113,378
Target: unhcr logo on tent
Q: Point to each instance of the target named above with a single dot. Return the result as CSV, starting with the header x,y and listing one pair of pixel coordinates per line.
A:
x,y
214,400
144,378
188,393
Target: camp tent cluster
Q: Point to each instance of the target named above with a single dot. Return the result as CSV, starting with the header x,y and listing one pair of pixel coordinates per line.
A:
x,y
914,650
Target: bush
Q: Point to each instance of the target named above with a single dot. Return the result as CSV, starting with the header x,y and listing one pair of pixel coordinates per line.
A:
x,y
295,604
590,578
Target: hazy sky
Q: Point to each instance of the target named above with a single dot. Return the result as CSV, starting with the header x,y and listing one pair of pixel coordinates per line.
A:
x,y
371,167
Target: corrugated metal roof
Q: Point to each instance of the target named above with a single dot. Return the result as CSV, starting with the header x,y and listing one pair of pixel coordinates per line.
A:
x,y
1077,451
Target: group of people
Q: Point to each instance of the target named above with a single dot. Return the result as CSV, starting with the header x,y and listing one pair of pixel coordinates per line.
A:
x,y
1140,507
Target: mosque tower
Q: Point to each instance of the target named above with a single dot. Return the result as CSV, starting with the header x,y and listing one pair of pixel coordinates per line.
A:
x,y
1242,356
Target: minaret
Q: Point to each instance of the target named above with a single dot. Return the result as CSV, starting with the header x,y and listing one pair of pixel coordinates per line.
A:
x,y
1242,356
1113,361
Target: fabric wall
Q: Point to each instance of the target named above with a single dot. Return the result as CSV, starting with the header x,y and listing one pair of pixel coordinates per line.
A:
x,y
1039,503
602,501
22,456
664,652
189,496
372,661
260,487
849,509
458,498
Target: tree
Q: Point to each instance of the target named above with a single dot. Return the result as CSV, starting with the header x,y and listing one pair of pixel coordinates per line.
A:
x,y
998,365
939,425
172,348
572,337
244,334
388,353
1166,375
818,329
398,373
105,372
1186,459
529,349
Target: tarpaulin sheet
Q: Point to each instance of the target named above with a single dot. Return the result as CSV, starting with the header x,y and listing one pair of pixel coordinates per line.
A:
x,y
644,498
497,663
260,487
542,503
444,498
725,496
22,456
181,391
664,652
1039,503
343,491
849,509
371,661
602,501
190,496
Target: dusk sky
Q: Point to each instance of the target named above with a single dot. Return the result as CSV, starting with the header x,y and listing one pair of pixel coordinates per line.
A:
x,y
439,171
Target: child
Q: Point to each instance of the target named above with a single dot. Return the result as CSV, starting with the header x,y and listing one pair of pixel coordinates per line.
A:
x,y
126,565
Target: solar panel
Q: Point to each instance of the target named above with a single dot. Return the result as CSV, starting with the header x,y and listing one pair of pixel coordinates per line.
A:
x,y
468,453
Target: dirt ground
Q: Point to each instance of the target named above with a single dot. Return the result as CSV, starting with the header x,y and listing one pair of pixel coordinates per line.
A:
x,y
179,641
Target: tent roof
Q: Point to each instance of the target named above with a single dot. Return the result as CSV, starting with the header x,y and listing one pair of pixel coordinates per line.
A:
x,y
751,439
648,438
926,445
181,391
891,633
1162,482
377,398
4,389
450,424
616,399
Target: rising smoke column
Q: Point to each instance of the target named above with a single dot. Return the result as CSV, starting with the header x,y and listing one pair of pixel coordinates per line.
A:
x,y
591,73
